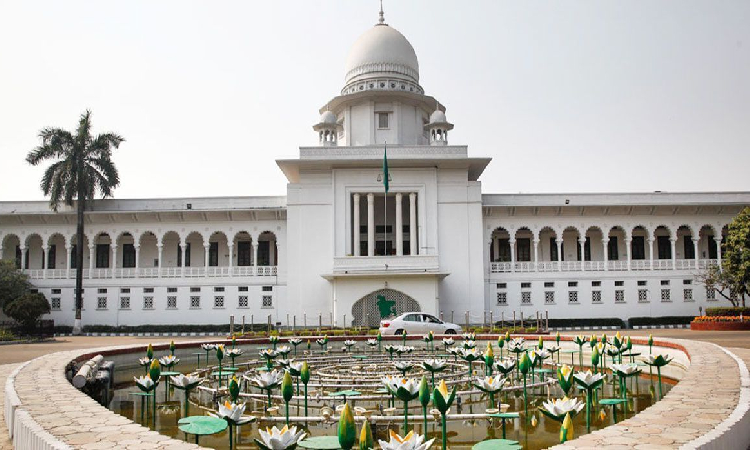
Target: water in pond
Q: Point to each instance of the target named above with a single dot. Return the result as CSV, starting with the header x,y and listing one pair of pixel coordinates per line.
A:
x,y
535,432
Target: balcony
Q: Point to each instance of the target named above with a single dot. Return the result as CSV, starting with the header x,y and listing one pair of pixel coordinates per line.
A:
x,y
154,272
599,266
377,264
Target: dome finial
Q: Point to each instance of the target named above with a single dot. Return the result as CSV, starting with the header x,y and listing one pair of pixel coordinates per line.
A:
x,y
381,19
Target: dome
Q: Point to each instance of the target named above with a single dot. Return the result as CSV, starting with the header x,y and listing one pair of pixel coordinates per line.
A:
x,y
438,117
328,117
382,49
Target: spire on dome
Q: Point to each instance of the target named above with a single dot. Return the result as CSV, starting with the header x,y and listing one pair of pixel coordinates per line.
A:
x,y
381,19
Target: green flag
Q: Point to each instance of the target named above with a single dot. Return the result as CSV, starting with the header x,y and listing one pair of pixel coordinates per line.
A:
x,y
385,168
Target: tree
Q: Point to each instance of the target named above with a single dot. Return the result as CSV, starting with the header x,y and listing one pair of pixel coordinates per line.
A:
x,y
82,167
13,284
732,280
27,309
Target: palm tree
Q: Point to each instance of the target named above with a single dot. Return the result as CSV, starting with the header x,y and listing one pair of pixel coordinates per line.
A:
x,y
82,166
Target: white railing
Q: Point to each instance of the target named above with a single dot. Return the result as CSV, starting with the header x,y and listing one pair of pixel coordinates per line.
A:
x,y
524,266
662,264
640,264
266,271
684,264
571,266
594,266
385,263
154,272
706,263
500,267
100,273
547,266
618,265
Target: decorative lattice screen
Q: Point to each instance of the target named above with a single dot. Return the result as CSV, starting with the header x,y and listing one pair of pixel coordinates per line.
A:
x,y
381,304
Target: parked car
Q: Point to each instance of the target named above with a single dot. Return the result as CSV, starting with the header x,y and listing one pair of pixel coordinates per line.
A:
x,y
417,323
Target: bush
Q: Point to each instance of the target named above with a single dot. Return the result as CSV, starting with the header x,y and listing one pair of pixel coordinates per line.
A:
x,y
167,328
27,309
727,311
664,320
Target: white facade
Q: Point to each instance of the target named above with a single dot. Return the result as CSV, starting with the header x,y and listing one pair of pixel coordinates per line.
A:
x,y
334,250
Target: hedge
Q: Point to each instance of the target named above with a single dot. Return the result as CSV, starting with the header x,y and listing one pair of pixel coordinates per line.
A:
x,y
664,320
154,328
727,311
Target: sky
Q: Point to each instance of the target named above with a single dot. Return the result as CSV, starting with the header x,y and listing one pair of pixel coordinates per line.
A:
x,y
575,96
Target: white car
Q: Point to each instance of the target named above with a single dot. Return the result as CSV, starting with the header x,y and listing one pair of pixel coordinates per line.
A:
x,y
417,323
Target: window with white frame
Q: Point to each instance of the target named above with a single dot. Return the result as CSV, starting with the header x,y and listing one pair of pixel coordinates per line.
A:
x,y
572,296
526,298
502,298
148,302
382,121
267,301
54,303
666,295
195,302
101,303
172,302
620,296
242,302
687,295
124,302
711,294
642,295
549,297
219,301
596,296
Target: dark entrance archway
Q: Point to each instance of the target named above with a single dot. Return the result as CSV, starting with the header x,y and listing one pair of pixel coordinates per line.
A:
x,y
381,304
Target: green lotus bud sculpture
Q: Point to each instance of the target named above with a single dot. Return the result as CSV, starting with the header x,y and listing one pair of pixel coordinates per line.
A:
x,y
595,358
540,345
557,338
501,344
234,389
150,352
347,428
424,398
565,378
489,359
566,431
172,348
366,441
650,343
304,376
524,364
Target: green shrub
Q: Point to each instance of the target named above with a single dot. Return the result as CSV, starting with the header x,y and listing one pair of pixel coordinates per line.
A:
x,y
727,311
664,320
604,322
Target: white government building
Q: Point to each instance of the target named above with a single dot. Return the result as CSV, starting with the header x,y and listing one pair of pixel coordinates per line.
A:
x,y
326,252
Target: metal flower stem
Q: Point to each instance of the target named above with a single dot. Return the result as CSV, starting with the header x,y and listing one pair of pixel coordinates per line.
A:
x,y
403,338
492,399
432,375
269,396
206,358
525,402
219,373
305,399
580,356
231,437
406,417
232,360
658,371
445,436
424,416
286,404
155,406
187,402
588,409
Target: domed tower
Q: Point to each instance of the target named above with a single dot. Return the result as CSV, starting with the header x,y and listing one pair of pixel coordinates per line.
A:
x,y
438,128
326,129
382,100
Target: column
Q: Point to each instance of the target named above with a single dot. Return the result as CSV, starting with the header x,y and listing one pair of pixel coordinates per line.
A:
x,y
137,248
559,254
695,252
512,243
496,247
672,243
582,245
183,249
413,224
718,251
355,227
399,226
206,253
230,245
92,247
629,249
536,254
45,257
114,258
605,252
255,256
159,248
23,257
651,252
69,255
371,224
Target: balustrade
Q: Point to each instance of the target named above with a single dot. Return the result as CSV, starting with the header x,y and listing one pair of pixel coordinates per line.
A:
x,y
154,272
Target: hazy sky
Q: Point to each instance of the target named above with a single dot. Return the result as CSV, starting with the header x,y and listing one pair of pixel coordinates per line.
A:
x,y
567,96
